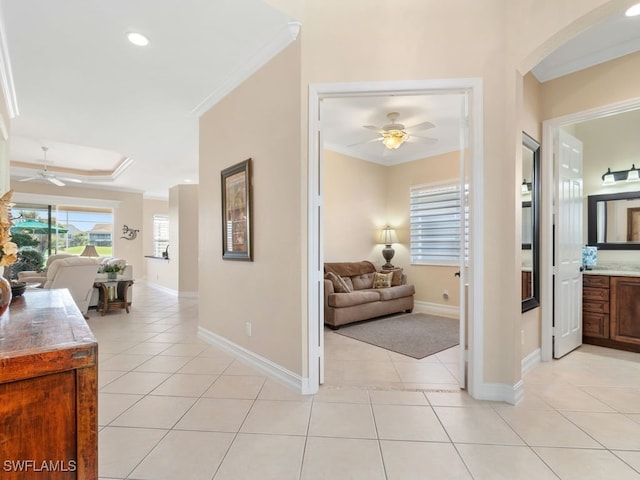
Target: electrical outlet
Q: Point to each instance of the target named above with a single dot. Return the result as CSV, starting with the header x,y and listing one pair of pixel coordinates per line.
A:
x,y
248,328
445,294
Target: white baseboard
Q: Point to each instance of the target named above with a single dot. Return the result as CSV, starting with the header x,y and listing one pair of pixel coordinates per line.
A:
x,y
157,286
530,361
438,309
500,392
264,365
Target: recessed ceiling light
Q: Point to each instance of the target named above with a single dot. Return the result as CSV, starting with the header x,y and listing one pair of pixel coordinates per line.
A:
x,y
138,39
187,180
633,11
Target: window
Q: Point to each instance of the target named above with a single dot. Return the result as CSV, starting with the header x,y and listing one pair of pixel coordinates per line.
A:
x,y
436,213
160,234
72,228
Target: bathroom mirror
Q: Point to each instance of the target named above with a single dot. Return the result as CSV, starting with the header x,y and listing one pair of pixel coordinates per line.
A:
x,y
614,221
530,195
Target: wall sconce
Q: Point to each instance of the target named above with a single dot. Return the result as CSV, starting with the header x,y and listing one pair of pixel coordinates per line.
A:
x,y
129,233
631,175
387,237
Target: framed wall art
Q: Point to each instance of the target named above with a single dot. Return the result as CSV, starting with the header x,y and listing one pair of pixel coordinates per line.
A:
x,y
236,212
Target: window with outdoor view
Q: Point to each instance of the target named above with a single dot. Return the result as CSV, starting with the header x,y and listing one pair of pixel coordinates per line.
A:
x,y
160,234
42,230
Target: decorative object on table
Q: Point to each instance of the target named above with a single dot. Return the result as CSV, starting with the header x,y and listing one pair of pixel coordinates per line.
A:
x,y
90,251
387,238
111,271
129,233
237,211
8,249
589,257
17,288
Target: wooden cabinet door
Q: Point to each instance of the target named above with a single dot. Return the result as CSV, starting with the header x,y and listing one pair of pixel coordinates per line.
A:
x,y
625,309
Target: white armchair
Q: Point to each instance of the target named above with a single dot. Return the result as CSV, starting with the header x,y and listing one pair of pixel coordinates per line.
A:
x,y
77,274
31,276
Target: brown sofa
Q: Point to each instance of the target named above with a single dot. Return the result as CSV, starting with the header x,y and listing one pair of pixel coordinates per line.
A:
x,y
355,291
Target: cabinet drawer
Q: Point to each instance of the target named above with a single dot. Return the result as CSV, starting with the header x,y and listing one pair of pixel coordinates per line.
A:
x,y
594,293
595,281
595,325
595,306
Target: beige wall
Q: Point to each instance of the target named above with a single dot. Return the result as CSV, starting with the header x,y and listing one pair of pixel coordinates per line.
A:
x,y
185,243
355,208
532,107
493,40
261,120
128,210
361,197
604,84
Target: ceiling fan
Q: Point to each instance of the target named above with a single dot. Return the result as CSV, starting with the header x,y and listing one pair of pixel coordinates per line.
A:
x,y
395,134
50,177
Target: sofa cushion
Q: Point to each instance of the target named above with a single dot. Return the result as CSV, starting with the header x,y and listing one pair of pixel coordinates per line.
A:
x,y
361,282
398,291
339,285
382,280
338,300
350,269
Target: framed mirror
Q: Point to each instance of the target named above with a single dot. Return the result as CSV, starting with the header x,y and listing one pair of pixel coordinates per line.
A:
x,y
530,194
613,221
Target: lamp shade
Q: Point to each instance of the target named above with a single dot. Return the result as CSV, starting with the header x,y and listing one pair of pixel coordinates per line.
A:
x,y
89,251
388,236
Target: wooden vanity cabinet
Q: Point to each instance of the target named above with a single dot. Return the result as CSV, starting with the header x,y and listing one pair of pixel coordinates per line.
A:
x,y
625,310
611,311
48,390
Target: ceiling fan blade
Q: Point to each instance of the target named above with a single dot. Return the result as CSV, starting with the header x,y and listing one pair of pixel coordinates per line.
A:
x,y
418,139
73,180
421,126
55,181
374,128
366,141
28,179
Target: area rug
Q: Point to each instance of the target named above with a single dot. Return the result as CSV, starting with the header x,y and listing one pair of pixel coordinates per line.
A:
x,y
416,335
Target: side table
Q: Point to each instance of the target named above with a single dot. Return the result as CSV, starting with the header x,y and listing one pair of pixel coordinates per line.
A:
x,y
113,295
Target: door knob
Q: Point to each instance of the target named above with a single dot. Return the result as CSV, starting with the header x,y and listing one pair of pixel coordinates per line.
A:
x,y
457,274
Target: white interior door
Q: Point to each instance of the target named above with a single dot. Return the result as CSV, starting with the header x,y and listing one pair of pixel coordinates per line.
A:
x,y
464,235
567,331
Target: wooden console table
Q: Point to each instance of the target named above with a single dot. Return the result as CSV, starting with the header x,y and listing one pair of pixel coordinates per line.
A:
x,y
48,389
113,295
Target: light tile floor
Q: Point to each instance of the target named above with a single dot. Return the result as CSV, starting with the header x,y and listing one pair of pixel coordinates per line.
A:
x,y
173,407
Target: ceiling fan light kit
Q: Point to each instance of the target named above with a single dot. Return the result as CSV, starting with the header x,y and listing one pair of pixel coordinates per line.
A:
x,y
394,138
395,134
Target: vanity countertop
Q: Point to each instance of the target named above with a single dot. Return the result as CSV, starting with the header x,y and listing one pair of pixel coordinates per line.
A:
x,y
615,270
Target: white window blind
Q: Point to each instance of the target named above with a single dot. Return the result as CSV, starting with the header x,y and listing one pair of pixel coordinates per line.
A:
x,y
436,213
160,234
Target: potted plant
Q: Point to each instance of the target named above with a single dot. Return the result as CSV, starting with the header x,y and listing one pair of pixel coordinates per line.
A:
x,y
111,271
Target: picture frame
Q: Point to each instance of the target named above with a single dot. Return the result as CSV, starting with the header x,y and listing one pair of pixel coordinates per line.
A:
x,y
237,199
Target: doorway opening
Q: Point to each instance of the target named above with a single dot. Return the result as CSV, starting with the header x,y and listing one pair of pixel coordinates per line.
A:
x,y
470,361
551,132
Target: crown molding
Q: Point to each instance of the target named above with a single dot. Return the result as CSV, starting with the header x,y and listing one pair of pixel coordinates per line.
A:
x,y
284,37
6,76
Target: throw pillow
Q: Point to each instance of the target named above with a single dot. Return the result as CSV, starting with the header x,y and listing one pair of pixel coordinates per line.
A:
x,y
339,285
397,276
382,280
